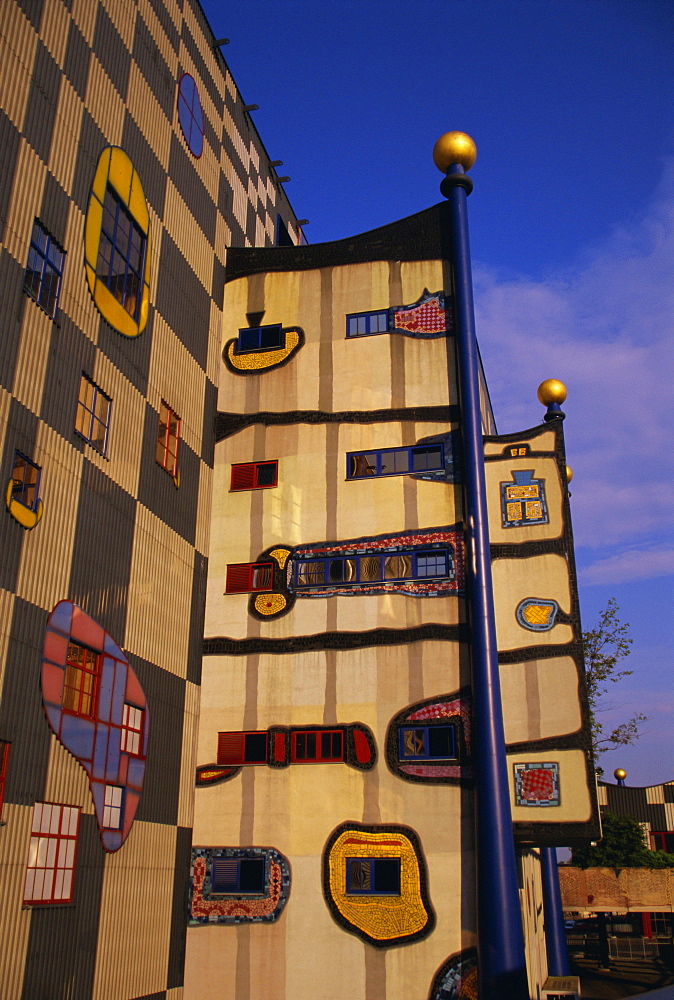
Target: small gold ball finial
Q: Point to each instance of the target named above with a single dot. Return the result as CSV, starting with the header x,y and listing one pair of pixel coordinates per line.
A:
x,y
569,473
619,774
551,391
454,147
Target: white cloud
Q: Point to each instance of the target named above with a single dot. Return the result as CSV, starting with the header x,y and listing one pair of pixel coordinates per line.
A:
x,y
605,327
631,565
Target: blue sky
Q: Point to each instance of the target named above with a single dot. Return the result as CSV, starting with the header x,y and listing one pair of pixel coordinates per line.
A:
x,y
572,234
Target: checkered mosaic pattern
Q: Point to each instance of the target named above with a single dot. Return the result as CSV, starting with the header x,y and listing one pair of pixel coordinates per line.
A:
x,y
537,784
118,536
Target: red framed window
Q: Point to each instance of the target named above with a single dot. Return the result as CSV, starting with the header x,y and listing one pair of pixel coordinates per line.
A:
x,y
4,758
317,745
662,841
254,476
249,578
81,681
132,730
112,807
235,749
168,439
51,854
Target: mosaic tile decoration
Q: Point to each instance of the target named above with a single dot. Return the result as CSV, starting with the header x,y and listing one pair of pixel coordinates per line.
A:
x,y
258,362
98,739
266,607
523,501
207,907
456,979
536,614
360,751
451,442
429,317
537,784
454,708
380,920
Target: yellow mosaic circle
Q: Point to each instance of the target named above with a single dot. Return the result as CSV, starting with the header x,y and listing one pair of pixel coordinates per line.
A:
x,y
260,360
269,604
537,614
280,555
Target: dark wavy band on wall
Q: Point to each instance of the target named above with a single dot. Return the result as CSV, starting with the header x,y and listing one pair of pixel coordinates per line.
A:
x,y
222,646
227,424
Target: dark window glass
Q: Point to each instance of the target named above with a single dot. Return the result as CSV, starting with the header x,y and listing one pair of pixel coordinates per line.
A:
x,y
255,748
121,253
44,269
261,338
232,875
394,461
190,114
373,876
92,419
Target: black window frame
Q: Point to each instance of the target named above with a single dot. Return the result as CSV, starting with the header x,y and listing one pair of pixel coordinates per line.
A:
x,y
246,333
20,487
114,232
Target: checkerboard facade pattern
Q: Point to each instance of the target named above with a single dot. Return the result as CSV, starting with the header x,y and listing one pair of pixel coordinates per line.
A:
x,y
118,537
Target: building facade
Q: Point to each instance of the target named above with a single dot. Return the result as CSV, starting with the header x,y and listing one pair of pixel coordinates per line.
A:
x,y
334,836
128,166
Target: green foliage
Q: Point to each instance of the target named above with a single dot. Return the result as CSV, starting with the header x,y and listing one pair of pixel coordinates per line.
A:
x,y
604,647
622,846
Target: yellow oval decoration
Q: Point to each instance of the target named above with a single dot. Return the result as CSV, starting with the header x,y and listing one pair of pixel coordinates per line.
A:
x,y
269,604
255,361
115,168
26,517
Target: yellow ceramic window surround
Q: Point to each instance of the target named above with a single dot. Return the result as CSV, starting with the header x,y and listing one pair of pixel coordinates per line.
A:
x,y
117,243
22,494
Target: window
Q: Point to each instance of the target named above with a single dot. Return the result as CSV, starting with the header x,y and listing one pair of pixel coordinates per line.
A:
x,y
395,461
366,324
112,807
121,253
662,841
373,876
4,759
249,578
233,875
51,854
261,338
254,476
190,115
132,729
168,439
428,743
25,481
235,749
117,244
92,421
317,745
44,270
81,676
374,568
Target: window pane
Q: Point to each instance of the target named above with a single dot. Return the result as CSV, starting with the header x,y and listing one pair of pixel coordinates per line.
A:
x,y
397,567
255,745
341,570
370,568
440,741
426,458
251,874
311,573
392,461
363,465
262,577
387,876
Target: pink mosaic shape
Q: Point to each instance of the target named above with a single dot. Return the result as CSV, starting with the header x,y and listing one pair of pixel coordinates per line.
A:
x,y
109,740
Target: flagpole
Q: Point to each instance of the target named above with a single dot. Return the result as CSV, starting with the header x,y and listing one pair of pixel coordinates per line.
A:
x,y
500,940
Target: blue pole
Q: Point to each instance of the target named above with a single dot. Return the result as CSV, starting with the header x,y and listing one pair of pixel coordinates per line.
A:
x,y
555,935
501,962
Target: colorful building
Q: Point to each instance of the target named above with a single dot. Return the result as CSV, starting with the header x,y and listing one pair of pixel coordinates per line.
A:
x,y
227,454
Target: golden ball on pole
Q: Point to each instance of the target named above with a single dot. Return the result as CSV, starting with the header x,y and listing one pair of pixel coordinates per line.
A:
x,y
619,774
551,391
454,147
569,473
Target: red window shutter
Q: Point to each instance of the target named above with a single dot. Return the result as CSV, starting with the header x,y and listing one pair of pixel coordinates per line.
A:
x,y
230,749
238,578
243,476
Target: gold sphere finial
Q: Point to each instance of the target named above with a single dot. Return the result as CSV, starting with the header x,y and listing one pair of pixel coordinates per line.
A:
x,y
619,774
551,391
454,147
569,473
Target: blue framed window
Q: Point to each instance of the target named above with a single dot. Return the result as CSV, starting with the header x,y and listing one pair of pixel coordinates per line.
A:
x,y
121,253
373,876
233,875
261,338
44,269
92,421
367,324
374,568
395,461
190,115
427,743
26,481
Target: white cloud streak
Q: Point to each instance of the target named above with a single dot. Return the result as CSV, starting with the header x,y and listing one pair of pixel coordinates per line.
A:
x,y
605,327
